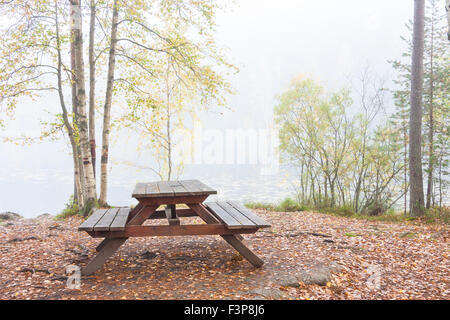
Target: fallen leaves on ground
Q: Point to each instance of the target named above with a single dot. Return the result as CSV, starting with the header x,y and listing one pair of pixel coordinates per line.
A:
x,y
379,260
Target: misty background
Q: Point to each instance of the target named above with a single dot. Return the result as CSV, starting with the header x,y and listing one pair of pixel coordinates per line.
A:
x,y
270,42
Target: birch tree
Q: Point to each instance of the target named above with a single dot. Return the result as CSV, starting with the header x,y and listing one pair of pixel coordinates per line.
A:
x,y
80,101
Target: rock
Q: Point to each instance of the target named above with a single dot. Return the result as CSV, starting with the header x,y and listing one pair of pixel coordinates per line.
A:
x,y
22,239
319,274
148,255
438,234
32,270
407,235
320,277
44,216
10,216
288,281
356,250
55,227
272,293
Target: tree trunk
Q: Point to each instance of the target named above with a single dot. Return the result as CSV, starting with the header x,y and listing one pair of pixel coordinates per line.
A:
x,y
89,179
78,194
416,199
107,108
447,8
405,170
430,124
92,85
80,191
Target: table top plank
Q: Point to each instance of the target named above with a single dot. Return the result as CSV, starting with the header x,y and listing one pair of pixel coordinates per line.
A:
x,y
139,189
104,223
179,189
195,187
120,220
151,188
175,188
89,223
165,189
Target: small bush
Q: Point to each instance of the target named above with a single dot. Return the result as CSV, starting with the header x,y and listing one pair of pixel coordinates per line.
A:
x,y
437,215
260,205
71,209
343,211
289,205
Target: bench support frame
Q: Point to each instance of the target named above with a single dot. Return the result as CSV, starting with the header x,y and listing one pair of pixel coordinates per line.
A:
x,y
146,209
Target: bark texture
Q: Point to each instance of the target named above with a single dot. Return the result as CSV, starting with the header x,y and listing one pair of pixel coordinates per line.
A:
x,y
107,108
80,101
416,199
92,84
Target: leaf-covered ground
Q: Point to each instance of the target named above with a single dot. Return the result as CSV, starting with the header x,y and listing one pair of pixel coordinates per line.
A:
x,y
379,260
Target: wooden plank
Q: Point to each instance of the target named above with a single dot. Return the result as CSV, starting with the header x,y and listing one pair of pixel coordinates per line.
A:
x,y
120,220
223,215
165,189
152,189
143,214
249,214
172,200
172,188
139,189
89,223
171,215
161,214
243,250
179,189
195,187
102,244
104,223
178,230
236,214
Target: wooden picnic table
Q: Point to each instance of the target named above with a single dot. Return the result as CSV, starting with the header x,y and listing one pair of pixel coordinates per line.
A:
x,y
228,219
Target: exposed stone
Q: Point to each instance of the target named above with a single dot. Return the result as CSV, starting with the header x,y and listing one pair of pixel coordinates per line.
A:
x,y
44,216
148,255
288,281
22,239
438,234
407,235
319,274
10,216
272,293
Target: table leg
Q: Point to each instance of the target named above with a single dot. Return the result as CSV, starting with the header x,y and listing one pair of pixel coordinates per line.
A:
x,y
171,215
110,245
243,250
232,240
102,244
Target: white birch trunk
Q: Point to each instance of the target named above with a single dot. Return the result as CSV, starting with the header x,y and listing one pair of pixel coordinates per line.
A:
x,y
89,179
107,108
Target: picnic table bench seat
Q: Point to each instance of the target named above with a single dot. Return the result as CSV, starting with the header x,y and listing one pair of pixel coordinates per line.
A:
x,y
235,215
112,219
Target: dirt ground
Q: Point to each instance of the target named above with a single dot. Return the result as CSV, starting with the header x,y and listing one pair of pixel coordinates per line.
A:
x,y
378,260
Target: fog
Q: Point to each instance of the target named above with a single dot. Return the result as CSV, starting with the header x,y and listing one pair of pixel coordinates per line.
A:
x,y
271,42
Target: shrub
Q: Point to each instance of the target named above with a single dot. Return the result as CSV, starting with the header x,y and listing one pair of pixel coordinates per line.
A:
x,y
71,209
289,205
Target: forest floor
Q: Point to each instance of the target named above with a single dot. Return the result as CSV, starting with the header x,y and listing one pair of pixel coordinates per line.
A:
x,y
376,260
